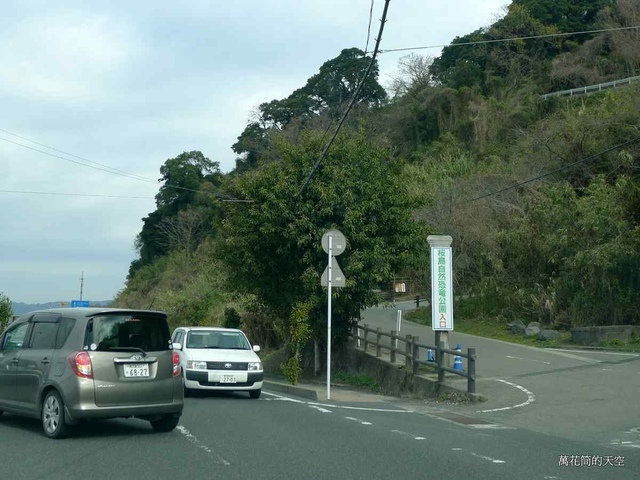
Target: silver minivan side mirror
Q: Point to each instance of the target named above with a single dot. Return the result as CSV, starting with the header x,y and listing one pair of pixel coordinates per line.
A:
x,y
256,348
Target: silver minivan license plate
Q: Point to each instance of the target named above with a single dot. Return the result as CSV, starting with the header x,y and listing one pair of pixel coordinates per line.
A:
x,y
136,370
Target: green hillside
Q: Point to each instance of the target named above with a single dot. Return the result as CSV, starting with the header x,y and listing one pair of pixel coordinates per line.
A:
x,y
540,196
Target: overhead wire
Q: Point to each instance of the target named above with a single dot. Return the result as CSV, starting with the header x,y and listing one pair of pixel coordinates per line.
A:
x,y
366,46
351,103
75,194
99,166
73,155
511,39
559,169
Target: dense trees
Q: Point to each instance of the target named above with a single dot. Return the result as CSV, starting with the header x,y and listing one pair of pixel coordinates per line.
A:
x,y
272,245
325,93
5,310
182,177
545,226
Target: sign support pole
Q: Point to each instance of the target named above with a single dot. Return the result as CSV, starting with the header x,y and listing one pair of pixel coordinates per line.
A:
x,y
329,322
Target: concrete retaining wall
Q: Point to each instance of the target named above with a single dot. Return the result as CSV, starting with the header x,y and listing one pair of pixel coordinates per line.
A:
x,y
395,381
595,335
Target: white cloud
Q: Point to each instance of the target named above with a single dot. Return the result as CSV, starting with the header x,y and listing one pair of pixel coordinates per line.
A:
x,y
132,84
64,56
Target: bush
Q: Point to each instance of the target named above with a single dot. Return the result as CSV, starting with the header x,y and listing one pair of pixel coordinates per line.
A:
x,y
231,318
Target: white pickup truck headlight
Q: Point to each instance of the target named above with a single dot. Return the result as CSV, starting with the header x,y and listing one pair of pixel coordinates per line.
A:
x,y
254,366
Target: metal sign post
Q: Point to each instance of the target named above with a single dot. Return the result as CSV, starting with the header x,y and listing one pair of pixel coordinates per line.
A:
x,y
441,288
329,320
333,243
398,324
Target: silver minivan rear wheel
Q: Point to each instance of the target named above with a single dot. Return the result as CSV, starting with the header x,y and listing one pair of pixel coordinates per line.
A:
x,y
53,422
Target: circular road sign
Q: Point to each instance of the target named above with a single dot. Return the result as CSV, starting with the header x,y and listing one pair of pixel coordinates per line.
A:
x,y
338,242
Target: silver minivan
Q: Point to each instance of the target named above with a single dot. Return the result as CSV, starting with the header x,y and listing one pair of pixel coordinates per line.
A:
x,y
72,364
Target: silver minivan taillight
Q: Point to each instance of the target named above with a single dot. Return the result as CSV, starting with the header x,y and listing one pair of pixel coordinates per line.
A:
x,y
81,364
177,370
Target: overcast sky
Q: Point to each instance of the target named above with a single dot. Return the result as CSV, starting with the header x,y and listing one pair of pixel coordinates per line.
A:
x,y
130,84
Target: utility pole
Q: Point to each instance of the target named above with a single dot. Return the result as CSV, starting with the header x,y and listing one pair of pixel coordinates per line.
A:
x,y
81,284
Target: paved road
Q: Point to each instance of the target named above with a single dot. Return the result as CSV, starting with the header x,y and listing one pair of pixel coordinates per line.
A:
x,y
280,436
575,394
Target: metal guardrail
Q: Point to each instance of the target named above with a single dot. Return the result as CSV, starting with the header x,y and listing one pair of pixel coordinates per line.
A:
x,y
593,88
411,353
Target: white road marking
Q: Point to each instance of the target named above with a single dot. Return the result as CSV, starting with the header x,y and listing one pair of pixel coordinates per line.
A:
x,y
320,409
361,422
618,443
494,460
491,427
346,407
405,434
530,398
365,409
484,457
566,354
596,351
528,360
191,438
283,398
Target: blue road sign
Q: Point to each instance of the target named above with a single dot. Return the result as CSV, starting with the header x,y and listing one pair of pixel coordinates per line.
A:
x,y
79,303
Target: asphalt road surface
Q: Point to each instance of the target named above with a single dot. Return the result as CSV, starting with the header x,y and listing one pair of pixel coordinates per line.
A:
x,y
284,437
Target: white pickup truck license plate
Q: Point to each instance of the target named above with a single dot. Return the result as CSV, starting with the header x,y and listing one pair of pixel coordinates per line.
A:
x,y
228,379
136,369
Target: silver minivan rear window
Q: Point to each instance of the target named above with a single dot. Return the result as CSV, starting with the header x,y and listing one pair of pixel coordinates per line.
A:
x,y
146,332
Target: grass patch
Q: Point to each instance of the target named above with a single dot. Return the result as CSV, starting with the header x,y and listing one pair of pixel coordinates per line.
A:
x,y
488,328
453,398
360,381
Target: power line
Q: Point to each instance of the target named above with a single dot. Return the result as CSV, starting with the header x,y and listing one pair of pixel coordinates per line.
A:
x,y
500,40
366,47
106,168
74,194
77,162
352,102
75,156
564,167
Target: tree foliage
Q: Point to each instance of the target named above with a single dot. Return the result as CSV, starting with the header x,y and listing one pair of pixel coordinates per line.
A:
x,y
272,245
6,310
184,176
325,93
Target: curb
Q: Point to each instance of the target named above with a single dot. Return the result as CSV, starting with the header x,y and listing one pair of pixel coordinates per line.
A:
x,y
291,389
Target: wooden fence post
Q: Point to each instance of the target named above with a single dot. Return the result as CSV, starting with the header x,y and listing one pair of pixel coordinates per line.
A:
x,y
471,379
392,350
364,341
378,338
407,352
440,357
414,355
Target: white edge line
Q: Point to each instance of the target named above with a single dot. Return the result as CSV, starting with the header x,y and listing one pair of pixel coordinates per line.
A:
x,y
282,397
530,398
606,352
192,439
366,409
320,409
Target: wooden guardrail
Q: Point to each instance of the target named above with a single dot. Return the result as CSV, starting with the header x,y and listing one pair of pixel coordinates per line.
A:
x,y
372,339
